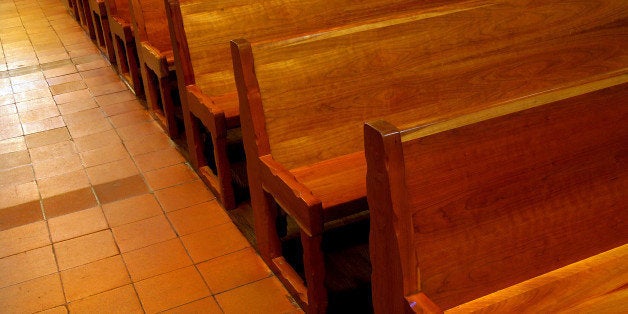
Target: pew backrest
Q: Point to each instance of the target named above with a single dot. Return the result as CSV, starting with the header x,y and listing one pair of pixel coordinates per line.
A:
x,y
119,9
466,207
149,17
308,97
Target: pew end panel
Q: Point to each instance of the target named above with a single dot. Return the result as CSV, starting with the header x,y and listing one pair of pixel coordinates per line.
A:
x,y
104,39
127,58
518,207
157,66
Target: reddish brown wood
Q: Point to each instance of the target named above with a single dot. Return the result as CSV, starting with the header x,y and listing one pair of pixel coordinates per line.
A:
x,y
498,201
303,101
156,62
104,39
127,59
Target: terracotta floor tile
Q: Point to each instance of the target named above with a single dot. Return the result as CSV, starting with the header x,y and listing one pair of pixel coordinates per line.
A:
x,y
84,116
104,78
64,183
106,154
12,145
67,87
264,296
10,131
158,159
43,125
27,265
14,159
32,94
93,278
20,214
36,104
139,130
7,99
131,210
89,127
8,109
143,233
46,138
72,96
38,75
18,194
130,118
85,249
23,238
233,270
36,84
121,107
120,189
108,88
76,106
73,77
198,217
55,310
112,171
56,166
56,72
32,296
77,224
97,140
184,195
100,63
156,259
121,300
206,305
214,242
110,99
16,175
60,149
69,202
170,176
171,289
39,114
9,120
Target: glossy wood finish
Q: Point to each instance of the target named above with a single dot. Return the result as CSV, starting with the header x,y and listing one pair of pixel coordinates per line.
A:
x,y
104,39
303,101
127,59
203,59
499,200
156,61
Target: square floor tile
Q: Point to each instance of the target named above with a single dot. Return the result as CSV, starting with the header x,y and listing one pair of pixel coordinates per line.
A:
x,y
48,137
112,171
131,210
233,270
63,183
184,195
60,149
56,166
214,242
69,202
170,176
32,296
206,305
120,300
93,278
198,217
20,214
85,249
97,140
264,296
104,155
143,233
77,224
156,259
158,159
23,238
171,289
114,98
27,265
120,189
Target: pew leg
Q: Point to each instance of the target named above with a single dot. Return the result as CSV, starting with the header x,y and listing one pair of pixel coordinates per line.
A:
x,y
314,266
223,170
133,62
111,54
193,137
165,90
123,66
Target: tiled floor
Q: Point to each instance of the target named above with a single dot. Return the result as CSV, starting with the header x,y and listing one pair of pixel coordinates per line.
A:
x,y
98,210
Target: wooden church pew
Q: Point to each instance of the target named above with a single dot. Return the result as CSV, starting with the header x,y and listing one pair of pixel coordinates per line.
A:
x,y
84,17
104,40
303,101
505,210
127,60
156,61
201,34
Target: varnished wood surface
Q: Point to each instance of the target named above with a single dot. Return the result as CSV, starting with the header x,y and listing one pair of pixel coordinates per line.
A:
x,y
151,23
504,200
210,25
119,9
317,88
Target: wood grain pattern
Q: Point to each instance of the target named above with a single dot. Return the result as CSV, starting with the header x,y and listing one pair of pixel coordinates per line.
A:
x,y
458,63
503,200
